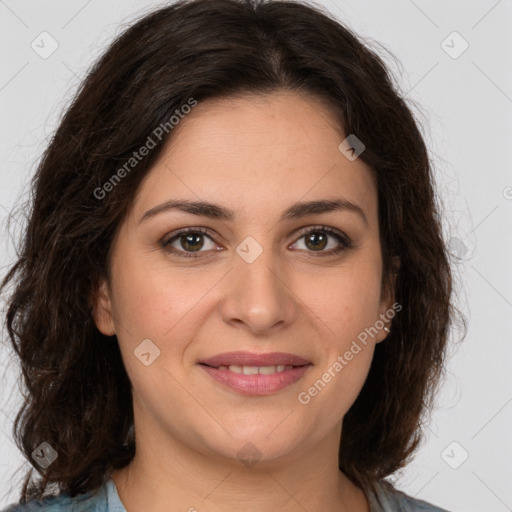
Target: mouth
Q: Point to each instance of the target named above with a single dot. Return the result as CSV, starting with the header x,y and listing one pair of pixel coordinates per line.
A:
x,y
254,370
256,374
251,359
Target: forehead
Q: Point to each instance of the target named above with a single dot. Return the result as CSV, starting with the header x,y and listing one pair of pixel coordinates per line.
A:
x,y
257,152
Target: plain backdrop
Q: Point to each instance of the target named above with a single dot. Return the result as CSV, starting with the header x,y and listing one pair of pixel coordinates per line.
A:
x,y
454,65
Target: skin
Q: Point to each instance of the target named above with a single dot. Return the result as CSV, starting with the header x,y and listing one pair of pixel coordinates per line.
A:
x,y
256,155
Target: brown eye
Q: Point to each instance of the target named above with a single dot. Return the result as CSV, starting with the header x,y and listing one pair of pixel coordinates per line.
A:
x,y
317,239
192,242
186,242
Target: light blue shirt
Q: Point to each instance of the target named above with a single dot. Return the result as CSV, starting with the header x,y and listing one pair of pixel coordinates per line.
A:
x,y
382,498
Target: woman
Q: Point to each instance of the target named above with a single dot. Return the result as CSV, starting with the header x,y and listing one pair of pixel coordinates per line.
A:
x,y
233,292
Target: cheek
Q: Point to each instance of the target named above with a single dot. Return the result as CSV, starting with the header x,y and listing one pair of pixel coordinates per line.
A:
x,y
165,307
345,301
151,301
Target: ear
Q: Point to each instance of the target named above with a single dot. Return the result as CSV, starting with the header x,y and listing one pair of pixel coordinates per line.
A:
x,y
102,309
388,306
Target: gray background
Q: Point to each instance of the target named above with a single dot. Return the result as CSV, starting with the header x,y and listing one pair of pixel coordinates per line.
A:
x,y
464,103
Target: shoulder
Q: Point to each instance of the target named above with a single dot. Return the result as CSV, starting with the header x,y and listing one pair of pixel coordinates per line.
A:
x,y
93,501
386,498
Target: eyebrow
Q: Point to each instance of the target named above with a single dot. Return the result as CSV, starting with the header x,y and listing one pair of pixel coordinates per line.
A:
x,y
218,212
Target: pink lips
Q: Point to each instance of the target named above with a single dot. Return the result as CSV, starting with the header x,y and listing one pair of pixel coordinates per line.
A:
x,y
255,384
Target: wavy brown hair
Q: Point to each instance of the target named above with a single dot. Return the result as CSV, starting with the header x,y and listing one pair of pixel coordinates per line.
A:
x,y
77,392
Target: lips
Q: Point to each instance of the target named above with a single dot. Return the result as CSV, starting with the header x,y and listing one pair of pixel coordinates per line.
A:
x,y
256,374
252,359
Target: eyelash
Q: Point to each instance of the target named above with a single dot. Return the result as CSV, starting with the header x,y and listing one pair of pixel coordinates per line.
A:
x,y
345,242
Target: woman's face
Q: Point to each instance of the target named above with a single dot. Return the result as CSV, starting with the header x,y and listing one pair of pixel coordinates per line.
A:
x,y
259,283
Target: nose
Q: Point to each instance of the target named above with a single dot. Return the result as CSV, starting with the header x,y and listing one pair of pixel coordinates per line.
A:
x,y
258,296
